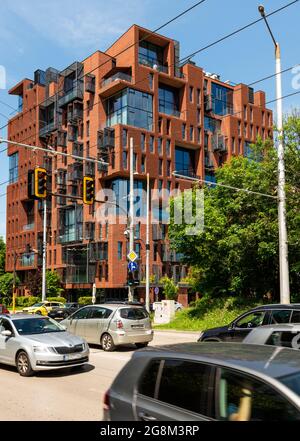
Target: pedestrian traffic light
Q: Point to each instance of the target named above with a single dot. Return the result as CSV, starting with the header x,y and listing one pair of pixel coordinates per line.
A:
x,y
88,190
133,278
40,183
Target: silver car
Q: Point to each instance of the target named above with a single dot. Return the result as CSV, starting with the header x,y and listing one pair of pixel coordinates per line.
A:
x,y
111,325
285,335
34,343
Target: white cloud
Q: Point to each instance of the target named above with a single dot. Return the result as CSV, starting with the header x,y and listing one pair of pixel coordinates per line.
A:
x,y
78,23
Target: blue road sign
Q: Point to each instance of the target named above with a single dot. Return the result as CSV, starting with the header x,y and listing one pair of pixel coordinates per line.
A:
x,y
132,266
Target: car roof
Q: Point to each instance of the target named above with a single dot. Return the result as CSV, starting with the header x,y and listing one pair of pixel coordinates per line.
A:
x,y
114,305
278,306
279,327
267,360
19,316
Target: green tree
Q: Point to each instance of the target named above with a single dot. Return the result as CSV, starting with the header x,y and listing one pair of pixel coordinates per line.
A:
x,y
6,287
53,283
169,287
237,253
2,256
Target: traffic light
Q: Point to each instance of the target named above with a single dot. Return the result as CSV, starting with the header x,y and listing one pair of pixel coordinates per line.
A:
x,y
133,278
88,190
37,188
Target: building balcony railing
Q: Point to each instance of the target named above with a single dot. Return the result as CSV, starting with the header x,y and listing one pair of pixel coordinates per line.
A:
x,y
90,85
45,129
71,95
151,62
77,149
116,77
27,260
106,138
73,235
29,226
218,143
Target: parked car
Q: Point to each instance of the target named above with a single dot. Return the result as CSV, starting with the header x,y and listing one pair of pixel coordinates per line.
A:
x,y
61,313
215,382
287,336
34,343
3,309
259,316
111,325
43,308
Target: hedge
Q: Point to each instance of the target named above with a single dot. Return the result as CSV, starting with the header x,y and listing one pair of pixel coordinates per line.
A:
x,y
26,301
56,299
85,300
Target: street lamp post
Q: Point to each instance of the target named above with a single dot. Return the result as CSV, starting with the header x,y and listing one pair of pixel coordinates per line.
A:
x,y
131,214
283,239
148,245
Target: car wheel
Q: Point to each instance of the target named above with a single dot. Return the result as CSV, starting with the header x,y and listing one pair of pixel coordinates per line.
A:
x,y
107,343
212,339
141,345
23,364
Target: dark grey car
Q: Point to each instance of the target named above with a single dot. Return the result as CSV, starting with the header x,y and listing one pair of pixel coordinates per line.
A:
x,y
207,381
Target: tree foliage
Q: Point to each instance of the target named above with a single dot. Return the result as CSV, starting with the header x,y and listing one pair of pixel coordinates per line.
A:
x,y
169,287
2,256
237,253
6,288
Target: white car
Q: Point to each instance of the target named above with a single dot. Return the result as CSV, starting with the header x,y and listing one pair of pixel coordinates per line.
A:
x,y
284,335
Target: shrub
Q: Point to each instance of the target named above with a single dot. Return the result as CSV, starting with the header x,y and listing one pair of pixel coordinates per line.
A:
x,y
25,301
85,301
170,289
56,299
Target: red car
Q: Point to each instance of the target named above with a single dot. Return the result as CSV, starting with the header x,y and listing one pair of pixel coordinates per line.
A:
x,y
3,310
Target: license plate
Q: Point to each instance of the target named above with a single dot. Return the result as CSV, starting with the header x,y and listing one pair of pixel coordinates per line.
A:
x,y
137,326
72,356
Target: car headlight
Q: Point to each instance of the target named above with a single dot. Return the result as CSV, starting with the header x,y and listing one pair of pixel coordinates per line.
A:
x,y
41,349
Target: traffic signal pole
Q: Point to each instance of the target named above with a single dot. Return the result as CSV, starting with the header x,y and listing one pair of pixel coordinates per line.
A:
x,y
44,252
131,214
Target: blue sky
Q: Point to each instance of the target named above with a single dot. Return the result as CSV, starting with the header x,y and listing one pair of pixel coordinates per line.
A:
x,y
34,34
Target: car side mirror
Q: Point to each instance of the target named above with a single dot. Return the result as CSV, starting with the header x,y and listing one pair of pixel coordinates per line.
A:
x,y
231,326
6,333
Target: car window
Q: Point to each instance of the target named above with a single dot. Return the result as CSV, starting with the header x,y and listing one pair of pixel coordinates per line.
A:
x,y
148,379
184,384
133,313
287,339
5,326
280,316
295,317
100,313
243,398
251,320
41,325
81,314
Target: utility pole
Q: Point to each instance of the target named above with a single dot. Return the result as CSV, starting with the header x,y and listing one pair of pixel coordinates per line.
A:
x,y
283,239
14,282
148,245
131,214
44,288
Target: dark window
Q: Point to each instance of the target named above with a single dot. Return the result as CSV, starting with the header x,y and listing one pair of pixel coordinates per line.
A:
x,y
295,317
184,161
251,320
133,313
5,326
168,100
242,398
222,99
99,313
287,339
148,380
281,316
81,314
150,54
185,384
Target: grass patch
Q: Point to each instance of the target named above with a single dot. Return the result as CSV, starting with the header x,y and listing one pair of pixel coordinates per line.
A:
x,y
208,313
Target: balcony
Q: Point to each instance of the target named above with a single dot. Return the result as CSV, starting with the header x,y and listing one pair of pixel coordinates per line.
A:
x,y
151,62
46,129
218,143
80,274
75,171
208,163
89,85
114,84
27,260
106,138
75,112
77,149
70,235
62,138
29,226
102,167
76,93
208,103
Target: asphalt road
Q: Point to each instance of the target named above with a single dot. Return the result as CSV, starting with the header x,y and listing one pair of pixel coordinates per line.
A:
x,y
65,395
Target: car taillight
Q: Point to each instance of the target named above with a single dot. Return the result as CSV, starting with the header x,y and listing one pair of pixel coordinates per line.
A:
x,y
106,401
120,324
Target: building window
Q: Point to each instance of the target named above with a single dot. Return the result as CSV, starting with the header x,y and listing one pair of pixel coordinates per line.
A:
x,y
143,164
183,129
135,162
159,146
199,135
124,157
233,145
245,112
120,250
130,107
251,131
151,76
151,144
168,126
143,142
168,147
240,128
160,124
124,138
184,161
13,167
222,98
87,128
150,54
160,167
209,124
198,116
169,168
198,97
191,93
20,103
191,133
251,114
168,100
160,184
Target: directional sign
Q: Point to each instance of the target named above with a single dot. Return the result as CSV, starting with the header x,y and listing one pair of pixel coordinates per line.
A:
x,y
133,266
156,291
132,256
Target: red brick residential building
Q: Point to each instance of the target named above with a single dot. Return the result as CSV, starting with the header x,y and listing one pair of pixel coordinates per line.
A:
x,y
181,118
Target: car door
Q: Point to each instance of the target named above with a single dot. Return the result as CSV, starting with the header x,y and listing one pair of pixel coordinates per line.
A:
x,y
77,322
279,316
97,322
175,390
7,344
241,328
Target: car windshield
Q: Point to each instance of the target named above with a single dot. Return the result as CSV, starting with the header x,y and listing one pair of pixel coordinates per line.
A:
x,y
292,382
68,305
37,325
37,305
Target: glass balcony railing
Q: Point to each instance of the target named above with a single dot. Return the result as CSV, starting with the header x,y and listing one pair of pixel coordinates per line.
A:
x,y
29,226
151,62
47,128
27,259
71,95
118,76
